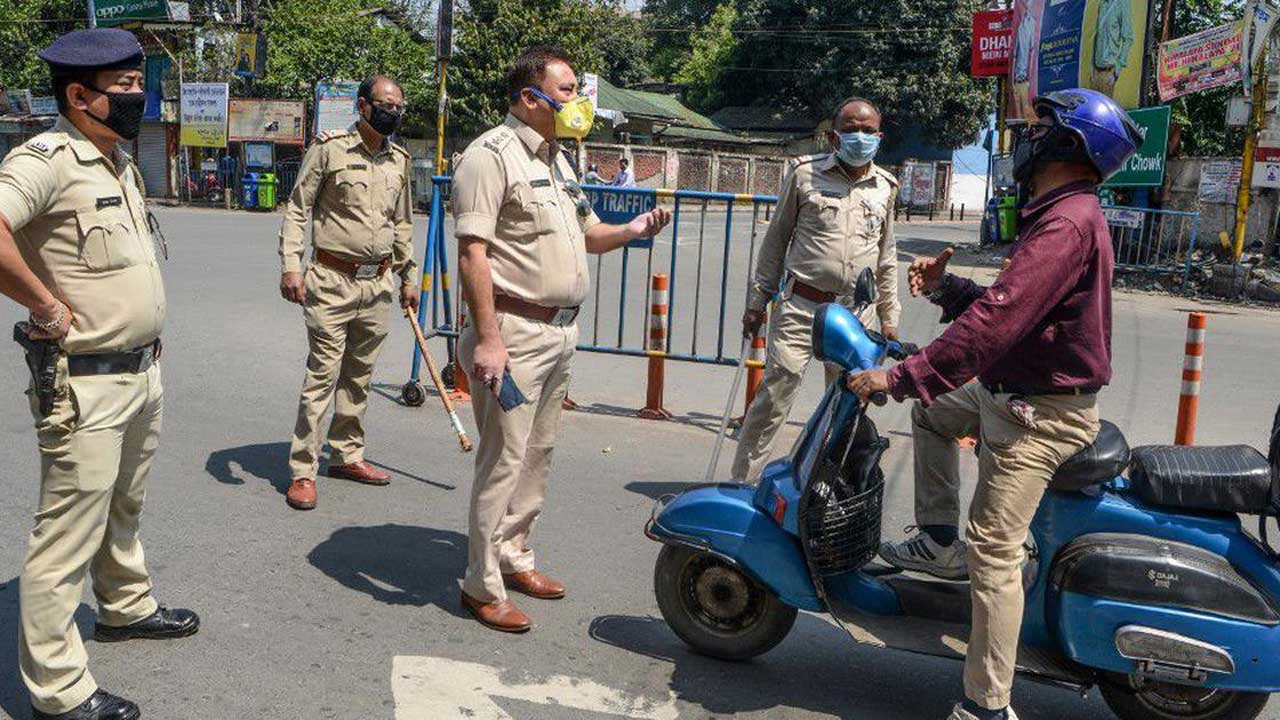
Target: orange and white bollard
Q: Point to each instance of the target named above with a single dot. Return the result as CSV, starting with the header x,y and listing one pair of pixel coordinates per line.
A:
x,y
1192,370
755,375
657,350
461,385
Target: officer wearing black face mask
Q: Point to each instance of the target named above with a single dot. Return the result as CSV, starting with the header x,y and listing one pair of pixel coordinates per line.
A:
x,y
353,189
76,251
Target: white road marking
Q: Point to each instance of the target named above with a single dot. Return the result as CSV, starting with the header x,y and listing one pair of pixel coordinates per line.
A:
x,y
429,688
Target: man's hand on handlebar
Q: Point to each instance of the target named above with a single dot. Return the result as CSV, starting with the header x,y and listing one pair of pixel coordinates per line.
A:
x,y
870,385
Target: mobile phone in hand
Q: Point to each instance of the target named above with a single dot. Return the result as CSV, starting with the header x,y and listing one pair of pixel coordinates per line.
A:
x,y
509,395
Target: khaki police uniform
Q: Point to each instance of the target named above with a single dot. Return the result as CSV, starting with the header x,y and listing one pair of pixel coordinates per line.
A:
x,y
361,213
511,190
79,220
825,231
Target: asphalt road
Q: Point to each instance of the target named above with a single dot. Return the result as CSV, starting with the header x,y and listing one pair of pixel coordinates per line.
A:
x,y
351,610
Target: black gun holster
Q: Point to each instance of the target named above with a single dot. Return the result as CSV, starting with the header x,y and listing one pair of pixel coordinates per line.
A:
x,y
42,361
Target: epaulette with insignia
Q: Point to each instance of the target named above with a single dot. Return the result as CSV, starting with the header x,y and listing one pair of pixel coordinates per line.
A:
x,y
893,181
498,140
46,143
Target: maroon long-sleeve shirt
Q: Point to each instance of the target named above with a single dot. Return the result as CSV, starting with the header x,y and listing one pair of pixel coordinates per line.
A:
x,y
1046,321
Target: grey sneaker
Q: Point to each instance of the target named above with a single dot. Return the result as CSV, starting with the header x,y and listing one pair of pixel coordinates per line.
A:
x,y
959,713
920,553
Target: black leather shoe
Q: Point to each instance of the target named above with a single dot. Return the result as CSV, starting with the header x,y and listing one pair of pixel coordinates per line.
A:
x,y
102,705
165,624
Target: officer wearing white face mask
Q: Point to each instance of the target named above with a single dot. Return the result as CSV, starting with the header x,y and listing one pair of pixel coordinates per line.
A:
x,y
834,218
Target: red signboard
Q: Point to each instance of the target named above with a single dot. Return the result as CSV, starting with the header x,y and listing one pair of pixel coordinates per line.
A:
x,y
992,51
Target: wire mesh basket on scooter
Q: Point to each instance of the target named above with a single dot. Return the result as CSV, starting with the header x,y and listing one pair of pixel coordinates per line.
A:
x,y
841,516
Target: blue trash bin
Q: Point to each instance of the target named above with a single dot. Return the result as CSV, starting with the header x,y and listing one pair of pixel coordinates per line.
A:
x,y
249,190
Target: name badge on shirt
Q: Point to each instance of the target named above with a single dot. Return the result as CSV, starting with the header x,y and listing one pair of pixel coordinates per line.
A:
x,y
832,194
540,183
106,202
357,166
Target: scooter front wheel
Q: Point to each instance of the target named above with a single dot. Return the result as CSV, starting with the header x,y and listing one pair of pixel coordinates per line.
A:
x,y
1137,698
715,608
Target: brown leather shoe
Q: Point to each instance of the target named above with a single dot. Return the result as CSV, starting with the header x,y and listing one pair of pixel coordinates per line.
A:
x,y
302,494
361,472
534,584
503,616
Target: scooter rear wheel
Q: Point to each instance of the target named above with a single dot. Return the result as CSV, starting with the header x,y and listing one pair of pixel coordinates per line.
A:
x,y
1137,698
715,608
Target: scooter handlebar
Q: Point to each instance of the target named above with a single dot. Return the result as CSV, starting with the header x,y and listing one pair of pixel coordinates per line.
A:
x,y
901,350
879,399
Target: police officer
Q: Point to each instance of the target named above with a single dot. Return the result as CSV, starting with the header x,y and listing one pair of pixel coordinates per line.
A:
x,y
834,218
355,185
524,229
76,251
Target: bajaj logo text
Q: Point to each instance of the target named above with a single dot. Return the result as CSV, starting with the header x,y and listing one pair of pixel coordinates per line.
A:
x,y
1162,579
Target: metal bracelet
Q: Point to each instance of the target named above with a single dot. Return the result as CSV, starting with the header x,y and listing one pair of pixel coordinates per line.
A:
x,y
53,324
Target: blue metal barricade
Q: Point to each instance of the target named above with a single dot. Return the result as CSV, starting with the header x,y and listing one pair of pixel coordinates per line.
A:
x,y
616,287
1150,240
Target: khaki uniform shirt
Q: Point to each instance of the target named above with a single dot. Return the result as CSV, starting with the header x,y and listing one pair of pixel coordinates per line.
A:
x,y
360,204
512,189
826,229
80,223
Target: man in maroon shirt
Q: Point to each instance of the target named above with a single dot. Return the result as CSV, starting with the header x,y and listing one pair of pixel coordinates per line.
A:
x,y
1038,340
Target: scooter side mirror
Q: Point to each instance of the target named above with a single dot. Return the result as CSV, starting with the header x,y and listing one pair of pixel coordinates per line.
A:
x,y
840,338
865,291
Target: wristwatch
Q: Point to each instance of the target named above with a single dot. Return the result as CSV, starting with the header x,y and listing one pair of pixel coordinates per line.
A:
x,y
943,288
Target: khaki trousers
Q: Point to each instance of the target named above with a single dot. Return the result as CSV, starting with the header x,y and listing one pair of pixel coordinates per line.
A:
x,y
346,324
1103,80
96,448
1015,464
789,349
513,456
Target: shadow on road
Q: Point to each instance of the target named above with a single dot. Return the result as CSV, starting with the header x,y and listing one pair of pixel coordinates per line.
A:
x,y
270,462
803,681
396,564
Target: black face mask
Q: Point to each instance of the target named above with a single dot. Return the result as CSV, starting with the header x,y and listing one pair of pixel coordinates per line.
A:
x,y
384,122
1058,143
124,114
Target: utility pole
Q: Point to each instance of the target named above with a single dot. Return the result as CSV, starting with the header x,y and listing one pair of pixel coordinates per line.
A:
x,y
1256,118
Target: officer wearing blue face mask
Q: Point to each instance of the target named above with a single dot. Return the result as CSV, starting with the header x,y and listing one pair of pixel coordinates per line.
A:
x,y
834,218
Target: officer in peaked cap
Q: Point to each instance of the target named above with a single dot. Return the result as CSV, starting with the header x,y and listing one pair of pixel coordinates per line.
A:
x,y
76,251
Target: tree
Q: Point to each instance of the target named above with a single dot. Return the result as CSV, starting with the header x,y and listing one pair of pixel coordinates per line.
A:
x,y
26,26
491,34
703,73
309,41
671,23
911,57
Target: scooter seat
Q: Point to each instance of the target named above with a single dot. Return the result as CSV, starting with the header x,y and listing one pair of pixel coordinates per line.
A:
x,y
1105,459
1230,478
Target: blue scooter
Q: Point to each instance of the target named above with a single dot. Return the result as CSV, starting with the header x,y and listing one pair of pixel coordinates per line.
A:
x,y
1145,585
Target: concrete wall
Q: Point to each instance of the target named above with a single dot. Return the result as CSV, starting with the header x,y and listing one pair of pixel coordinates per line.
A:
x,y
1182,184
659,167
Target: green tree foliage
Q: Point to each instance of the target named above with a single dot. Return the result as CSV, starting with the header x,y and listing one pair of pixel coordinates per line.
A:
x,y
26,26
309,41
671,24
910,57
703,73
491,34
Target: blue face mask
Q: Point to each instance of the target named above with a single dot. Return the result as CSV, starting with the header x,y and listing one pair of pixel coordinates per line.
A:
x,y
857,148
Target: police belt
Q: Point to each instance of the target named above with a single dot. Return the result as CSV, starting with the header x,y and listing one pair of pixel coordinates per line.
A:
x,y
120,363
811,293
558,316
358,270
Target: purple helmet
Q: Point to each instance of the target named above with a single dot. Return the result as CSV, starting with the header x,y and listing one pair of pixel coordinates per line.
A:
x,y
1110,136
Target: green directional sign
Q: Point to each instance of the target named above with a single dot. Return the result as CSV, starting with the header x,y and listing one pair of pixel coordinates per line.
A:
x,y
118,12
1146,169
